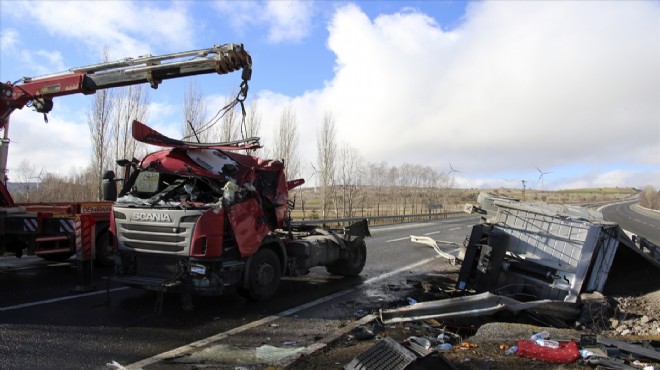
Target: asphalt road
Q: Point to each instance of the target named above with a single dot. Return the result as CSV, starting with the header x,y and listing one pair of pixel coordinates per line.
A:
x,y
635,219
43,324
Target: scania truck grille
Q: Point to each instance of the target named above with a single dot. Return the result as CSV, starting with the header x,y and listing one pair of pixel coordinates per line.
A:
x,y
171,236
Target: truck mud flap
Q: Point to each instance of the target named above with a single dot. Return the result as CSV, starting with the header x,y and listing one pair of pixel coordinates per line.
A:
x,y
359,229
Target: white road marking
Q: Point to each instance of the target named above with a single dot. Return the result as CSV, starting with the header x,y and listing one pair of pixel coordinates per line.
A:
x,y
396,240
456,228
398,227
204,342
433,232
12,269
67,298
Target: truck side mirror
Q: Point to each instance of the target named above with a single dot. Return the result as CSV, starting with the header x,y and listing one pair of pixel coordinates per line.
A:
x,y
109,186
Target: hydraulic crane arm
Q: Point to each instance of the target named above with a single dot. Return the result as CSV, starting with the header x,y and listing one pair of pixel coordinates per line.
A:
x,y
39,92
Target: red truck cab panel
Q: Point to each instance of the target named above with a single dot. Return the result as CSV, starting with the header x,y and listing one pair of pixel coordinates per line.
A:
x,y
208,234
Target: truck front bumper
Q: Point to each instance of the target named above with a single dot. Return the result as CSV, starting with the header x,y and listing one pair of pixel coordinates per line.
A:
x,y
174,273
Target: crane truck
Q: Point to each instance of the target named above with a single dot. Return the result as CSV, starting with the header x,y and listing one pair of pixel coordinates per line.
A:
x,y
52,230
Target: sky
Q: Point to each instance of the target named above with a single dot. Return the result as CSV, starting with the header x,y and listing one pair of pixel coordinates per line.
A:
x,y
498,91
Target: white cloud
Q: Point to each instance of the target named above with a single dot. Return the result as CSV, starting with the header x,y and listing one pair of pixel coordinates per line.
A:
x,y
39,62
286,21
514,86
53,59
55,147
290,20
8,40
517,85
239,14
616,178
127,28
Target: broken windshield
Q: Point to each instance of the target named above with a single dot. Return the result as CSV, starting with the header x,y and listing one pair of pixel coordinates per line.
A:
x,y
157,188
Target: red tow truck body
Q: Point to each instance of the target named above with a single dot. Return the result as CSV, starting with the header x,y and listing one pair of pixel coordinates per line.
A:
x,y
52,230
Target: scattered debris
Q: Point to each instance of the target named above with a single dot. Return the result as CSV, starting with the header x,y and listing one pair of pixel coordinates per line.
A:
x,y
386,354
565,353
114,365
556,264
649,353
468,306
366,332
226,354
271,354
562,267
451,256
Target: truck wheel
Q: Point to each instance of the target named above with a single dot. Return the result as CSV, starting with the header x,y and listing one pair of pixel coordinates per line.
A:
x,y
104,253
354,263
264,276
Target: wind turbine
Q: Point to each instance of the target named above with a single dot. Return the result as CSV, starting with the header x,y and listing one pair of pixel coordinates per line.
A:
x,y
317,179
451,177
541,173
452,169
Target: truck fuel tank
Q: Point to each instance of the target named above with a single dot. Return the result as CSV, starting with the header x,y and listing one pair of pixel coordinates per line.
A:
x,y
315,250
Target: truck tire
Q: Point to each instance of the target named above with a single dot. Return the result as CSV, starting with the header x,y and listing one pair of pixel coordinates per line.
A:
x,y
104,254
354,263
263,277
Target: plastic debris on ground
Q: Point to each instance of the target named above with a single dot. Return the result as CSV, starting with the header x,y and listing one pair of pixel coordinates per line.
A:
x,y
114,365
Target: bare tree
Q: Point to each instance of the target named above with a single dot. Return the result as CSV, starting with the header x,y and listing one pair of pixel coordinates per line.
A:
x,y
98,120
73,187
251,125
650,198
349,177
228,123
325,156
131,103
194,112
378,179
286,143
28,179
252,121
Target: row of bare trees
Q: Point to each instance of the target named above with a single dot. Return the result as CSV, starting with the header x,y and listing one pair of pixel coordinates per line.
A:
x,y
347,184
349,187
109,121
650,198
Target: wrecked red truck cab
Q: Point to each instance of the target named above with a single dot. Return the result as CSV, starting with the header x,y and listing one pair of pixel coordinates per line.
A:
x,y
202,218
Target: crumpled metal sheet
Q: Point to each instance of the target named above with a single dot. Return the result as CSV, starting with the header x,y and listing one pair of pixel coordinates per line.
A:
x,y
468,306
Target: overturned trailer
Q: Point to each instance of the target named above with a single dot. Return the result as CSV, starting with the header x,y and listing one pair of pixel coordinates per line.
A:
x,y
536,250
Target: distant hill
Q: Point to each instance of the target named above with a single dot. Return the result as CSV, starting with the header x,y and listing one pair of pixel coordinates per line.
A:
x,y
16,186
